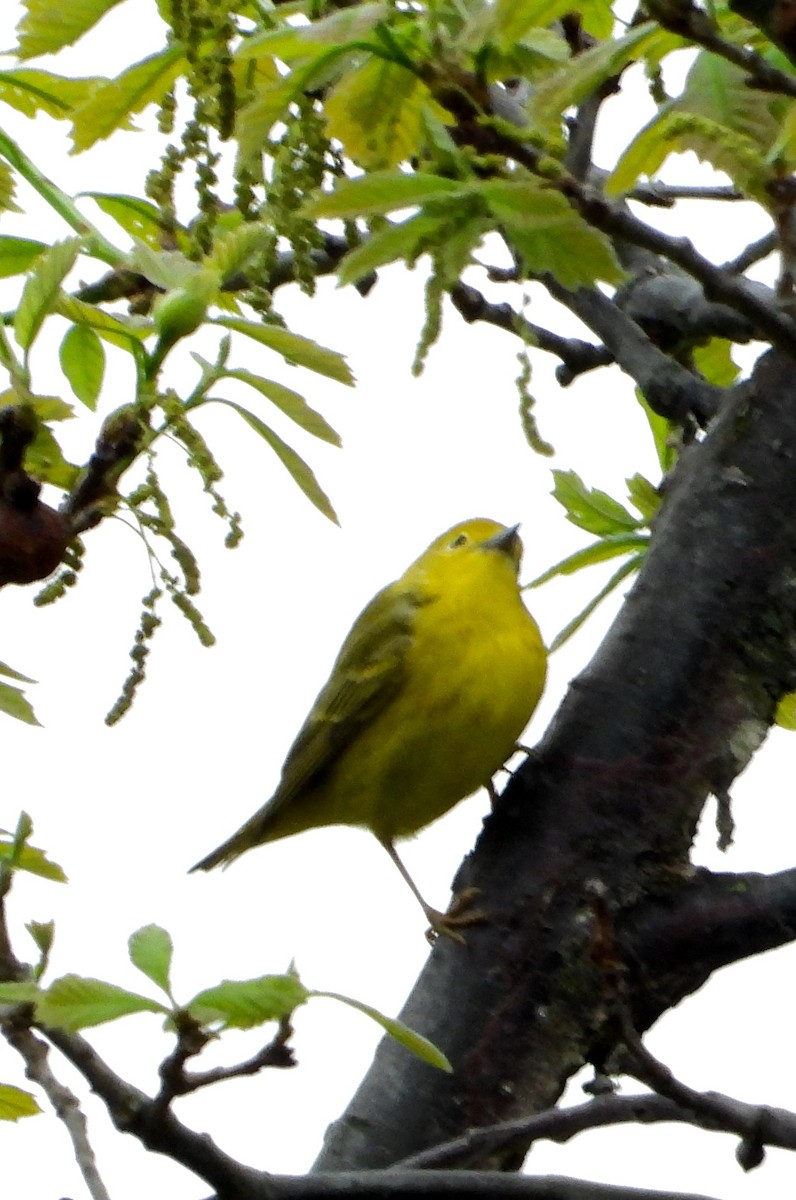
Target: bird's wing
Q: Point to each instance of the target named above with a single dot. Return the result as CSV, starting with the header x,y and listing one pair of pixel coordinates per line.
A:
x,y
369,670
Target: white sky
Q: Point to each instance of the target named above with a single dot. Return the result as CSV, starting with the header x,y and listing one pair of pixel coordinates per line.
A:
x,y
127,810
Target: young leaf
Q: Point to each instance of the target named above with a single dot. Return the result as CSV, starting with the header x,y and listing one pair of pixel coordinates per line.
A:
x,y
46,28
301,473
17,254
14,704
12,674
74,1002
31,859
574,625
151,951
24,991
31,91
380,192
83,363
290,403
549,235
612,546
299,41
643,495
398,241
785,715
137,217
42,289
113,102
296,349
415,1042
43,934
375,112
14,1103
245,1003
589,508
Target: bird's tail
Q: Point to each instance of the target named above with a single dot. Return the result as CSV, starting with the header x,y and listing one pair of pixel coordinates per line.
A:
x,y
224,854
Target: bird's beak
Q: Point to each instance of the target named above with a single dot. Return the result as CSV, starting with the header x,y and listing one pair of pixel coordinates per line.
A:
x,y
507,542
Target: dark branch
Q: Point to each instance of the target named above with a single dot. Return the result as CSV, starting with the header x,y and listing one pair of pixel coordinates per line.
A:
x,y
694,23
716,919
576,355
670,388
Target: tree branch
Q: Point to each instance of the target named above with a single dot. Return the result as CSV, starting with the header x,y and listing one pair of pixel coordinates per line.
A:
x,y
694,23
669,388
67,1108
576,355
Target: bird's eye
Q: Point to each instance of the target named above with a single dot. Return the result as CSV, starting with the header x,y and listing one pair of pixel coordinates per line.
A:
x,y
460,540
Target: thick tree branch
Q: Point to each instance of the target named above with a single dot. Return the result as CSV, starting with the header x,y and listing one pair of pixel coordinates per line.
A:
x,y
671,947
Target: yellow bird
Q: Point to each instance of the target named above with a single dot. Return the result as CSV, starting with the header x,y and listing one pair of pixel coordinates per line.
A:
x,y
431,690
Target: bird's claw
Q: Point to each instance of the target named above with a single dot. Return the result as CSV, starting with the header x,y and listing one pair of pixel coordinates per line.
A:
x,y
459,916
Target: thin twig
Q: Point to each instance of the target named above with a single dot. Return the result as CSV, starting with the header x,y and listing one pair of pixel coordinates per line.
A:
x,y
753,253
576,355
66,1105
696,25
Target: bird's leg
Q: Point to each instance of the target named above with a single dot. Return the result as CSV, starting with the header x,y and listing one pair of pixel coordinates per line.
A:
x,y
458,916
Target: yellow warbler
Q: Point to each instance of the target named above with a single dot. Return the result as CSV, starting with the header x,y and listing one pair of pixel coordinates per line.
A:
x,y
430,691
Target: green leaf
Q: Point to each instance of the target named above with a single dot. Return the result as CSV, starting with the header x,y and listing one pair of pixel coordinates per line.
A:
x,y
42,289
550,236
47,27
661,430
14,1103
580,77
589,508
45,460
414,1042
301,351
291,404
74,1002
83,363
574,625
17,254
613,546
299,41
151,951
398,241
7,190
714,360
375,112
644,496
111,104
785,715
381,192
12,674
245,1003
255,120
137,217
167,269
30,91
125,332
21,992
43,934
298,469
234,251
14,704
31,859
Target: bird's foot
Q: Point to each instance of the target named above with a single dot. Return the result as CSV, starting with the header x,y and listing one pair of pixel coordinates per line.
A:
x,y
459,916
